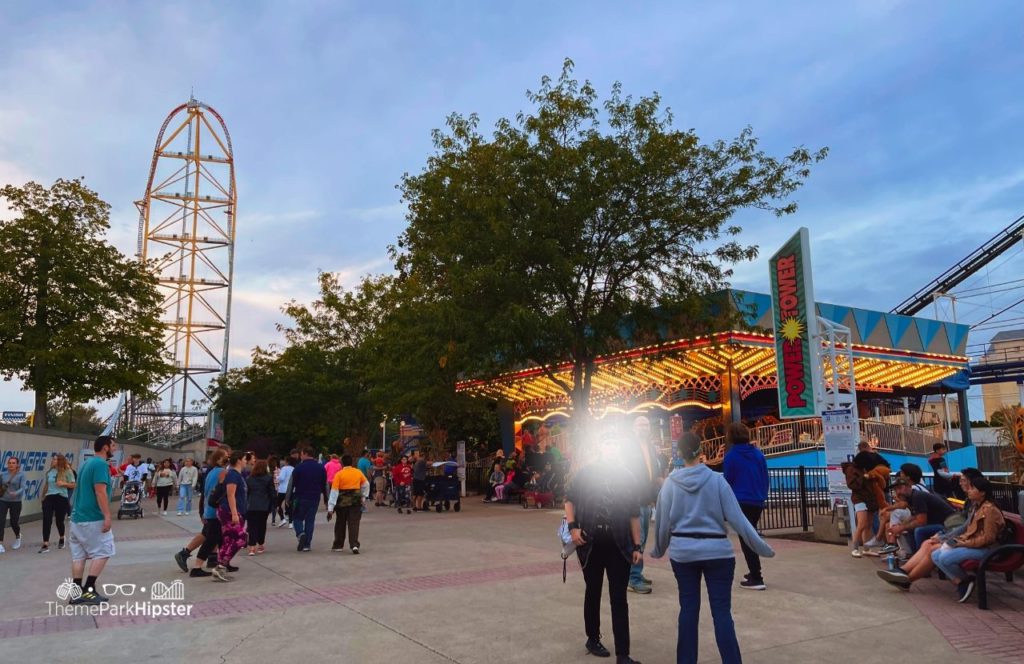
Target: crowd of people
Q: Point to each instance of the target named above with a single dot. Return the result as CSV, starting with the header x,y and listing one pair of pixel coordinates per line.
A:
x,y
919,529
609,498
534,478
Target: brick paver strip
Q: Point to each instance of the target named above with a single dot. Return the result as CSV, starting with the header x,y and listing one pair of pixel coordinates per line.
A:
x,y
217,608
997,634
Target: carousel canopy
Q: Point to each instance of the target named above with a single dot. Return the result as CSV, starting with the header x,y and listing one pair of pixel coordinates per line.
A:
x,y
890,352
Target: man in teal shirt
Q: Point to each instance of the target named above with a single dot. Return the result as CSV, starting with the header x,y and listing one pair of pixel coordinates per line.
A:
x,y
91,541
365,465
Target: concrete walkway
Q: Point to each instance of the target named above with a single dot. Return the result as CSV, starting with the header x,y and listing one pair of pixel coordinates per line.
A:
x,y
481,586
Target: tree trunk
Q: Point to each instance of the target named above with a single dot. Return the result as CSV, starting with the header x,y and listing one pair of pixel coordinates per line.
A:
x,y
582,418
39,419
40,372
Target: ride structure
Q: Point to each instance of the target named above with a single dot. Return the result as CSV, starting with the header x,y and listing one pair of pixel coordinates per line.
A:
x,y
187,233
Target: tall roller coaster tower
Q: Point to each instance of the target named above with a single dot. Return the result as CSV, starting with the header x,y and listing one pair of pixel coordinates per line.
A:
x,y
187,227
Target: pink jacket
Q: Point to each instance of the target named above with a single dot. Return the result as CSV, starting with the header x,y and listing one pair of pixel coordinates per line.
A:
x,y
332,467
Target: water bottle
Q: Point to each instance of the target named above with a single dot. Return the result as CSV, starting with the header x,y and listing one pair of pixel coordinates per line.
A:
x,y
891,561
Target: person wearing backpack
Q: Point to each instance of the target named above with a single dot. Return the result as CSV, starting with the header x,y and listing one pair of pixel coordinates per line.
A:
x,y
211,525
602,510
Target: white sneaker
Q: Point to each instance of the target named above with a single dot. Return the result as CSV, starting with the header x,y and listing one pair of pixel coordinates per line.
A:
x,y
2,549
164,513
856,553
179,513
17,543
871,543
188,513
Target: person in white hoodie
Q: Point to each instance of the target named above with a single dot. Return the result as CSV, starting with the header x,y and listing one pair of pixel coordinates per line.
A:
x,y
694,505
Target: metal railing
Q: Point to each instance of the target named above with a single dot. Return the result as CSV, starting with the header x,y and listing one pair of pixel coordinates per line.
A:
x,y
795,496
1009,497
800,435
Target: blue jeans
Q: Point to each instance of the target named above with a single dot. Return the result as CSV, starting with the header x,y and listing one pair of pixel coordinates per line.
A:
x,y
636,572
921,533
718,575
185,498
304,517
948,560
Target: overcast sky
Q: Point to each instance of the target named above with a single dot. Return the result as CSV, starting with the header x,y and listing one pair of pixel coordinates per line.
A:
x,y
329,103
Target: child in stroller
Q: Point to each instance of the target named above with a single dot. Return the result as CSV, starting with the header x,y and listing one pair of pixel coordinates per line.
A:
x,y
131,501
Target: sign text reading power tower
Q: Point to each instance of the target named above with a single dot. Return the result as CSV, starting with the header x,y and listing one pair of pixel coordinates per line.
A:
x,y
795,323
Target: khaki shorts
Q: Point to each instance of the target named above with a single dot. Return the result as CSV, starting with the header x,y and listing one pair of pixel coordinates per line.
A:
x,y
89,542
379,483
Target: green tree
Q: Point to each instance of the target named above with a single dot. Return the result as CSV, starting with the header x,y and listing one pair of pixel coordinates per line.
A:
x,y
63,416
548,237
78,319
412,362
300,392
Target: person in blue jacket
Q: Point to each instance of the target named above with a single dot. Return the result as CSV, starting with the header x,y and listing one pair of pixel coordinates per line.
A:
x,y
746,471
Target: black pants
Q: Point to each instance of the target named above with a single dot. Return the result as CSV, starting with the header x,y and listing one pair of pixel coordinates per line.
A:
x,y
753,514
55,506
256,521
14,507
213,535
163,496
282,507
605,558
347,518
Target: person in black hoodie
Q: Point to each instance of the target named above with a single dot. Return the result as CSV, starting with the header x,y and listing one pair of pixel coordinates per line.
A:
x,y
603,513
746,471
262,496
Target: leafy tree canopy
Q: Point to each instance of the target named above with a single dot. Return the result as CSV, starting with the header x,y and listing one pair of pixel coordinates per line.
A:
x,y
578,215
78,319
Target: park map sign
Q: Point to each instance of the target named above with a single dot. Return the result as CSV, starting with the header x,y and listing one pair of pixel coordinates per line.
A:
x,y
794,317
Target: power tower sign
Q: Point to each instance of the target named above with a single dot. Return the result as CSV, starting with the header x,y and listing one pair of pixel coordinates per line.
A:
x,y
793,315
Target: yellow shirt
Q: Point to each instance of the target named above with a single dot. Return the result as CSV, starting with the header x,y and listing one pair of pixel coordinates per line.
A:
x,y
348,478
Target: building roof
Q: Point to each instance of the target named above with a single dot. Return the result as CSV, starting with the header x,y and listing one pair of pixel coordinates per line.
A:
x,y
1008,335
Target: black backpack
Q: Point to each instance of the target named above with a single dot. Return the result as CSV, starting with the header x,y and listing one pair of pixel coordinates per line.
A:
x,y
1007,534
218,492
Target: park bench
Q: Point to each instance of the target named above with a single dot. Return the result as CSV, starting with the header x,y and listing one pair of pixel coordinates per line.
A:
x,y
1005,558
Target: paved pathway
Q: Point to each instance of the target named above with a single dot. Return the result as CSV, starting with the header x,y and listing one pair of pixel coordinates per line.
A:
x,y
480,586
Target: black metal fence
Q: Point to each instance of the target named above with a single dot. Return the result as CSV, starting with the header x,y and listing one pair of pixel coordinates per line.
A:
x,y
795,496
1009,497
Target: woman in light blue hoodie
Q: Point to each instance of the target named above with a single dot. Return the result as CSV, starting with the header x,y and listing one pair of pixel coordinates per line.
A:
x,y
693,508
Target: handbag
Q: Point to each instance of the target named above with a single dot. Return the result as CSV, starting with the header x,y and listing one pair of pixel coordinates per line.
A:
x,y
954,521
568,546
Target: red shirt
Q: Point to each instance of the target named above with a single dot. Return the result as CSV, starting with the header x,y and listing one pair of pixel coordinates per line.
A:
x,y
402,474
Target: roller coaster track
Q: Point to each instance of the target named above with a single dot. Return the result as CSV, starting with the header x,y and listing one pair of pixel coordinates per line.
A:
x,y
963,269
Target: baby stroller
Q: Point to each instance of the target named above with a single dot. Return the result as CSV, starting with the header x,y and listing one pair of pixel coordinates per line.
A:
x,y
131,501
